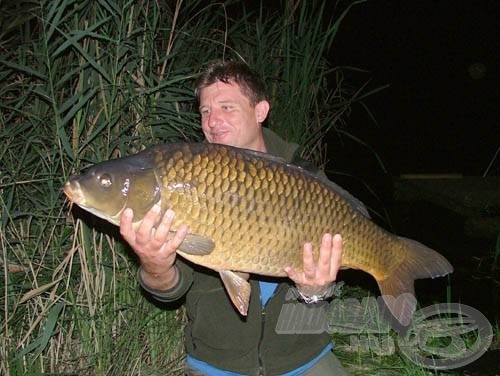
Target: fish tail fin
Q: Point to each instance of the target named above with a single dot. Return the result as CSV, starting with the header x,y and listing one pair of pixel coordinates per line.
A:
x,y
397,289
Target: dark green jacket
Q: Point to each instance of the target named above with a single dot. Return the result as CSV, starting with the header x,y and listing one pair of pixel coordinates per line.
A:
x,y
217,334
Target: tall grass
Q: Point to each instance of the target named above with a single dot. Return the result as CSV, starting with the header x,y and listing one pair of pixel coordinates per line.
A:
x,y
292,53
84,81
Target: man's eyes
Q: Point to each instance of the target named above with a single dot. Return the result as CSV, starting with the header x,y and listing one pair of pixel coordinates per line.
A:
x,y
225,107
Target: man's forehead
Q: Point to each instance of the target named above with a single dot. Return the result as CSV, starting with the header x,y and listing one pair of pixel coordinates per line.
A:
x,y
222,91
221,85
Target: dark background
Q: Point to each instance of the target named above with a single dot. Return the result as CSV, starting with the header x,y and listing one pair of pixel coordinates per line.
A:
x,y
437,116
440,115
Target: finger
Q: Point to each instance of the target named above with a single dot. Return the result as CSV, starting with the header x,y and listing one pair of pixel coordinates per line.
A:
x,y
309,267
161,233
294,275
178,238
336,259
126,229
143,234
325,256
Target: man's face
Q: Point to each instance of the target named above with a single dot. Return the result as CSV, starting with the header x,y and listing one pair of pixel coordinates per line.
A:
x,y
228,117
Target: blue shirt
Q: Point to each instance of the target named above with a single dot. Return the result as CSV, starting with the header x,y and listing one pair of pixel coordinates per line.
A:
x,y
266,291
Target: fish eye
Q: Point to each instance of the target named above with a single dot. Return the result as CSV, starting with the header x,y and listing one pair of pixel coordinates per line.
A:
x,y
105,181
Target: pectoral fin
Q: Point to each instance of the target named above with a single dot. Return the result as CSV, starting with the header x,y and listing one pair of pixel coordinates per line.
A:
x,y
197,245
238,289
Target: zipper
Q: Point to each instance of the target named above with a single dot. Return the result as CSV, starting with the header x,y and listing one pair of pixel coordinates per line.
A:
x,y
262,328
263,323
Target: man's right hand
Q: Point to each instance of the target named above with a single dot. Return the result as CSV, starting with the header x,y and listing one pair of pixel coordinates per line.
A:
x,y
155,246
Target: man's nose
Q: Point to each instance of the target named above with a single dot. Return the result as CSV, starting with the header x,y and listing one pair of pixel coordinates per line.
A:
x,y
214,118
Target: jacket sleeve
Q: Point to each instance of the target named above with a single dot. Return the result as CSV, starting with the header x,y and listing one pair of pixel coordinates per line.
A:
x,y
185,274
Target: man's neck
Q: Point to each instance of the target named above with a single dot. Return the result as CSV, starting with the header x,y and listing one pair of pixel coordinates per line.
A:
x,y
259,145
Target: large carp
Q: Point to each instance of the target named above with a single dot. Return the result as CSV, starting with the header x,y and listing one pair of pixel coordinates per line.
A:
x,y
250,212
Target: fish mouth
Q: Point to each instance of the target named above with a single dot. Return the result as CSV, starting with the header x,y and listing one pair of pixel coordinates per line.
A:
x,y
75,195
73,191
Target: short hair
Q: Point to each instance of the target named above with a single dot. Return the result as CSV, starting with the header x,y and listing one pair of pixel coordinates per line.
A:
x,y
249,81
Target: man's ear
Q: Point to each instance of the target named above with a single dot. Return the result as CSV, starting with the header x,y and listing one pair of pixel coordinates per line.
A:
x,y
261,110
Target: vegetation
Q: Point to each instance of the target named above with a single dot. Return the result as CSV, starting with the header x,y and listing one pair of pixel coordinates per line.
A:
x,y
84,81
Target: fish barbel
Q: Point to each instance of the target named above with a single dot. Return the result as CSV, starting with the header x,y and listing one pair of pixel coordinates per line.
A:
x,y
249,212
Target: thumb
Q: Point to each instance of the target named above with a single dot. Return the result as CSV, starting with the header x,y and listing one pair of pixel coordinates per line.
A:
x,y
293,274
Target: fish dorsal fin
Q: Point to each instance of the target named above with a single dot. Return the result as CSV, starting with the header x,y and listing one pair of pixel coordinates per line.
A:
x,y
320,176
237,288
261,155
197,245
353,201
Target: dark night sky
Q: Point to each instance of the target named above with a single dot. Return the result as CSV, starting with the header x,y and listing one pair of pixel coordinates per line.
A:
x,y
434,118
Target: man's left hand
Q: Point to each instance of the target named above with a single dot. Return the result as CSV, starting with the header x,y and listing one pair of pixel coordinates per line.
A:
x,y
316,277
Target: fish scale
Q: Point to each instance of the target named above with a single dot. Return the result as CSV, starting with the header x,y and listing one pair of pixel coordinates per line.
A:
x,y
251,212
283,218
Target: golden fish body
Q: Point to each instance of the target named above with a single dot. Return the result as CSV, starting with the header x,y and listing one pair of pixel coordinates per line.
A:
x,y
259,212
250,212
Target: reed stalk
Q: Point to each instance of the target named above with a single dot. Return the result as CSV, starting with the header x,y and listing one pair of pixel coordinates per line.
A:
x,y
84,81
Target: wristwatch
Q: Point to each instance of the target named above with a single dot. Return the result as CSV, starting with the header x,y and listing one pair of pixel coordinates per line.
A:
x,y
309,294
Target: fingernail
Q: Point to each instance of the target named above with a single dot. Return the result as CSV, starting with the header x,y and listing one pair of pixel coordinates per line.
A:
x,y
169,214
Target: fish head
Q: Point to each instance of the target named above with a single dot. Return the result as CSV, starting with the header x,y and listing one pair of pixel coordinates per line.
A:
x,y
107,188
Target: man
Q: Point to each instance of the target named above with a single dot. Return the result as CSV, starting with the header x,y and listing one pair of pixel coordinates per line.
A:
x,y
219,341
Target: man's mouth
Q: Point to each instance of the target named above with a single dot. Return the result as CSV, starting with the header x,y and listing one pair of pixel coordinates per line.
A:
x,y
219,134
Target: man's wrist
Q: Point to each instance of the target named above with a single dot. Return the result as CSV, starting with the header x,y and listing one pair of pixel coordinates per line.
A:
x,y
159,281
183,280
314,294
